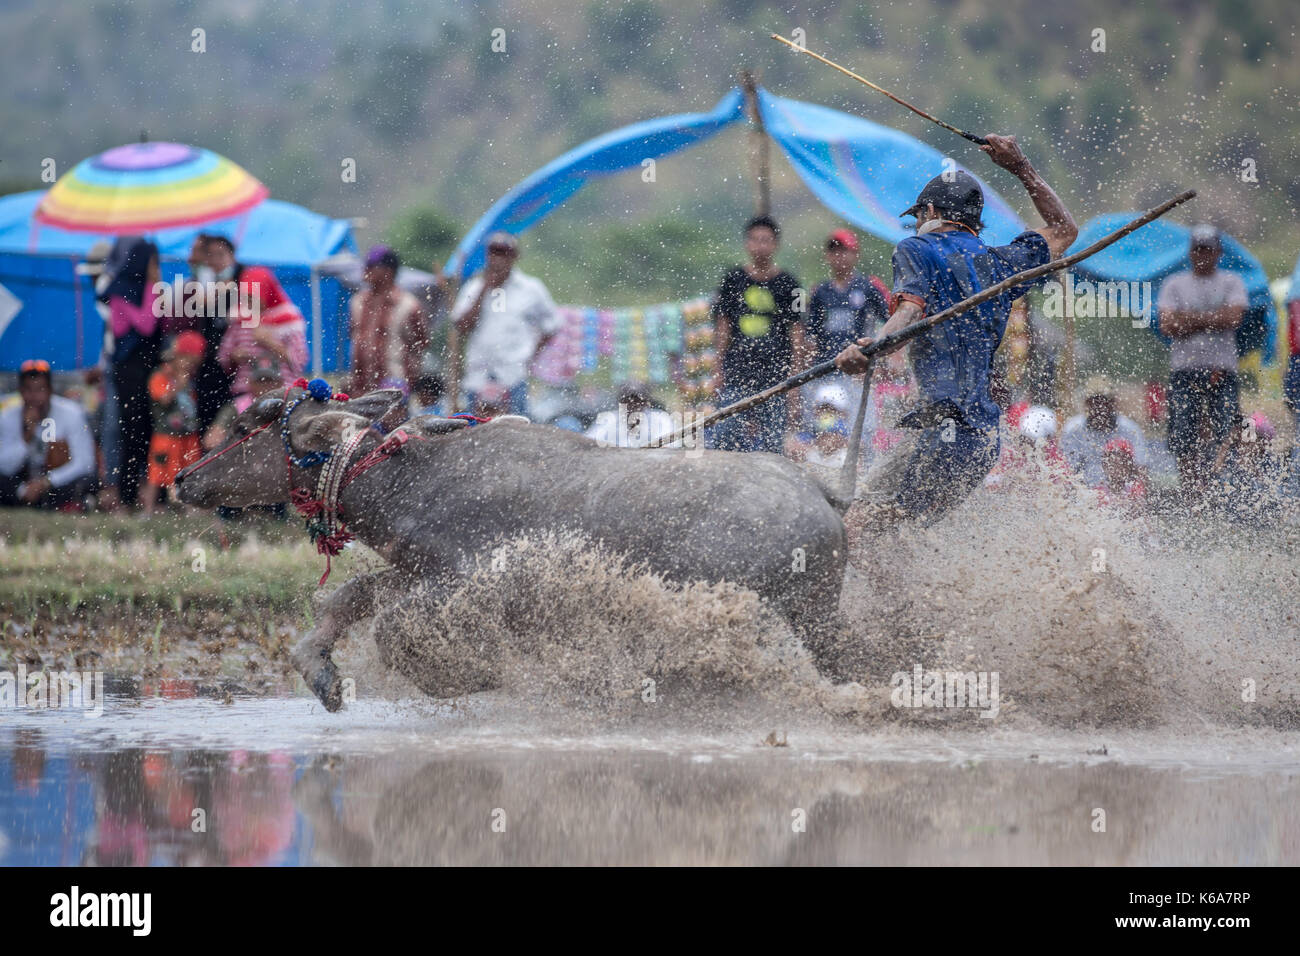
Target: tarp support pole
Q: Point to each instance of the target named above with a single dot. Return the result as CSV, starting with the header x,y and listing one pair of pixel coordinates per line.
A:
x,y
317,333
81,322
759,146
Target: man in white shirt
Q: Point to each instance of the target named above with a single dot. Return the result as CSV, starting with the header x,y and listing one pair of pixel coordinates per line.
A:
x,y
1084,438
505,318
1200,310
47,456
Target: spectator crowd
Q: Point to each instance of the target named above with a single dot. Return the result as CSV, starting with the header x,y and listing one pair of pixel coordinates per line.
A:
x,y
171,380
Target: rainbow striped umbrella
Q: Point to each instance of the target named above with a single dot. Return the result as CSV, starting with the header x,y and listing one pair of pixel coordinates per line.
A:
x,y
145,187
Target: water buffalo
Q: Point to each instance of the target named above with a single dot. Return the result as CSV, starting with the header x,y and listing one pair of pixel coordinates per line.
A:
x,y
454,494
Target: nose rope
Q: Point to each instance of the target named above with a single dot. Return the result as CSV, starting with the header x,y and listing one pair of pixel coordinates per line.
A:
x,y
211,458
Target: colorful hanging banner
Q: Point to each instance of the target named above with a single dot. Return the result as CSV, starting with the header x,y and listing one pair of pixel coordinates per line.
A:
x,y
640,343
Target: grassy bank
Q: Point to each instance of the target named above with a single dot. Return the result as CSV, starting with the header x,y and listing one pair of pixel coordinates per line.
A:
x,y
170,594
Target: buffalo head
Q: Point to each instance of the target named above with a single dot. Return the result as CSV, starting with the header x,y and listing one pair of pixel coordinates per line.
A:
x,y
252,471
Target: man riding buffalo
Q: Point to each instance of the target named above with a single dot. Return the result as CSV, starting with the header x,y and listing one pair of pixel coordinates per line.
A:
x,y
945,262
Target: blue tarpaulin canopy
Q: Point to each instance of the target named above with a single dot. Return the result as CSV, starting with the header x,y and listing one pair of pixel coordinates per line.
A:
x,y
864,172
56,317
559,179
1158,250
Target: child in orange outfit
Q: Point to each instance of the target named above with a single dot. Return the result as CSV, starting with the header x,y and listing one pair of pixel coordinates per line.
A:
x,y
175,441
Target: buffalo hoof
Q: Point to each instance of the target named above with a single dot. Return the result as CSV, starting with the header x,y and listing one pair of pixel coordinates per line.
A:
x,y
327,686
322,677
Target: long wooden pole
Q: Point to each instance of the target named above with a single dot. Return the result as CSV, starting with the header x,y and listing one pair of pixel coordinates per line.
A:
x,y
1067,374
895,341
980,140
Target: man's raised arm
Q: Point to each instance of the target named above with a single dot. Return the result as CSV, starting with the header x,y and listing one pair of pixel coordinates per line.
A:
x,y
1060,229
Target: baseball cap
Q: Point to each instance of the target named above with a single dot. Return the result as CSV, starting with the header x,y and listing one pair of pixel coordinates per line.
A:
x,y
842,237
1205,236
1038,421
383,256
96,259
960,195
34,367
189,343
502,240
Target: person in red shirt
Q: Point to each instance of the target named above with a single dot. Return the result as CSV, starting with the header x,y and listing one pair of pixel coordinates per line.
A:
x,y
274,332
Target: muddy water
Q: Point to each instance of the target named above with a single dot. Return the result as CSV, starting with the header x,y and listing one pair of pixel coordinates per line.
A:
x,y
1146,714
276,781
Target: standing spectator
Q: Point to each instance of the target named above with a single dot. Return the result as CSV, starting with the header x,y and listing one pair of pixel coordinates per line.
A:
x,y
1201,310
175,441
105,427
844,308
47,457
136,343
505,317
1085,437
757,332
275,330
390,332
211,383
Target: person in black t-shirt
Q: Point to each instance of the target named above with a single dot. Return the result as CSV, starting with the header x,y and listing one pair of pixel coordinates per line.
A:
x,y
758,331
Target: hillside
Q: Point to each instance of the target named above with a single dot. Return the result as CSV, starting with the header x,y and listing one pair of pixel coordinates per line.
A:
x,y
440,125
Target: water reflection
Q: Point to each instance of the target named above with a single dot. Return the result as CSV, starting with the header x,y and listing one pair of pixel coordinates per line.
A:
x,y
137,806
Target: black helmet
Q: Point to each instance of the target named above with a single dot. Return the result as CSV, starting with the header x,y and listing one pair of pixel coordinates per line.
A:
x,y
959,195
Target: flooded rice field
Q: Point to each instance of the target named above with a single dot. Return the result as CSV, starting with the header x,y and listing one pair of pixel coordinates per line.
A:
x,y
278,782
1038,682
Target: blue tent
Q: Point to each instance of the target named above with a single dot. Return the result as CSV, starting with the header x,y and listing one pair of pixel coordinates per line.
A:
x,y
863,172
56,317
559,179
1158,250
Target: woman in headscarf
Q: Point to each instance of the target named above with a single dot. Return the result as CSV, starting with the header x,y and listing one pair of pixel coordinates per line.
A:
x,y
270,329
137,335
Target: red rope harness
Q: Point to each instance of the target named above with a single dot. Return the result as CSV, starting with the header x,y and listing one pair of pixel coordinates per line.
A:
x,y
324,513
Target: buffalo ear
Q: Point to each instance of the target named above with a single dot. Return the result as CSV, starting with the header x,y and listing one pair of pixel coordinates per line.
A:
x,y
328,429
268,409
373,406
